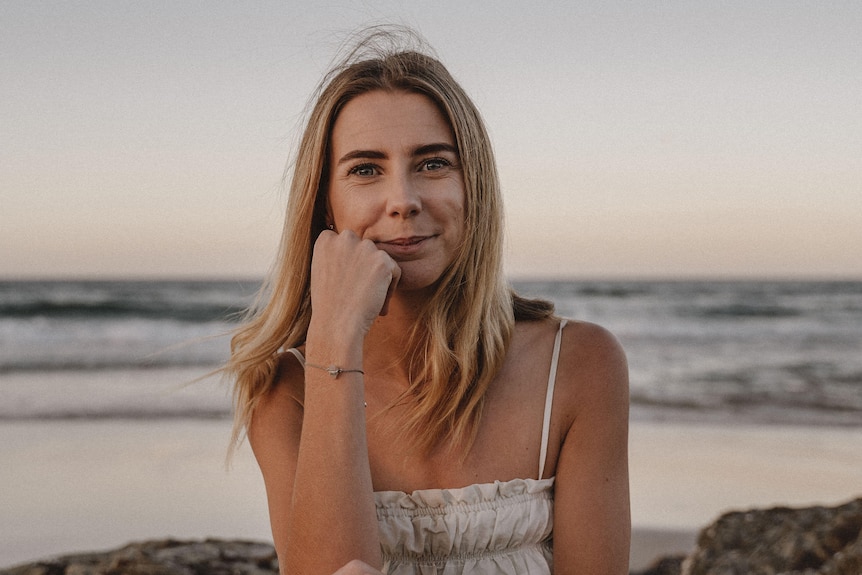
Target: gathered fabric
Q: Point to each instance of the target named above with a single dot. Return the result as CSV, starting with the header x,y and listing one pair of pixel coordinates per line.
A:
x,y
488,528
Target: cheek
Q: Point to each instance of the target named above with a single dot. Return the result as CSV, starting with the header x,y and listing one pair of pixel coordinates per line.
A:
x,y
458,219
447,205
461,208
340,202
355,212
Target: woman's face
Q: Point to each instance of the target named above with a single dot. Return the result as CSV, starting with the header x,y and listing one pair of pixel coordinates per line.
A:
x,y
395,178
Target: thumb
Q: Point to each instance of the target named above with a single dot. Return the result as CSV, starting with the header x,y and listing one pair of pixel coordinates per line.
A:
x,y
396,276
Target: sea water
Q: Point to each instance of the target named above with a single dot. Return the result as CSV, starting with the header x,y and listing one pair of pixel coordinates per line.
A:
x,y
753,351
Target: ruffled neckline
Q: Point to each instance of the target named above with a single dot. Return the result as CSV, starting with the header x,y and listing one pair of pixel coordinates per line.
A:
x,y
478,491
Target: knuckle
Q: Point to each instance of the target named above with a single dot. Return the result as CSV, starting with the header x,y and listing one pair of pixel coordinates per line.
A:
x,y
354,566
324,238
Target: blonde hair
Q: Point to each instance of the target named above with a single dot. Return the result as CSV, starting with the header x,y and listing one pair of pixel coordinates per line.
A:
x,y
459,343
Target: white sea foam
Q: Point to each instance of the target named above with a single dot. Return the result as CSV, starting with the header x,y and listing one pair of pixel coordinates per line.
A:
x,y
756,351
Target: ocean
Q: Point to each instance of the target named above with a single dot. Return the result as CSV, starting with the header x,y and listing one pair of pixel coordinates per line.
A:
x,y
783,352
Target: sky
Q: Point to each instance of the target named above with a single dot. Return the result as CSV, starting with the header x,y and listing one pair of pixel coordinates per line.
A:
x,y
635,140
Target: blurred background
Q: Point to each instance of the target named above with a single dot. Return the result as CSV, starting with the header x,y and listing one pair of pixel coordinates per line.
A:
x,y
687,174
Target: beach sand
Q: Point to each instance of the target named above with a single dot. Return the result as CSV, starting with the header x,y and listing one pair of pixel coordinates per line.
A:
x,y
683,476
70,486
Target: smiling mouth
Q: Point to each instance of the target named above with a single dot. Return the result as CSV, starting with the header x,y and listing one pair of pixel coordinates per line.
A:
x,y
403,242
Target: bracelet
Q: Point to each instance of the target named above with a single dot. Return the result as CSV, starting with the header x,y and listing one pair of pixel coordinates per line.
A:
x,y
334,370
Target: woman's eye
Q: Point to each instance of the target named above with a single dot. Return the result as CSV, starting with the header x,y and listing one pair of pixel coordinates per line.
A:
x,y
364,170
435,164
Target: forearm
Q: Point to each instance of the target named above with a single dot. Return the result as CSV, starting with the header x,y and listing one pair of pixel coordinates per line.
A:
x,y
332,518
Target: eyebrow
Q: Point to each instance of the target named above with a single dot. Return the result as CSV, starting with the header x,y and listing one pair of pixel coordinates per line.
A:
x,y
378,155
361,154
434,148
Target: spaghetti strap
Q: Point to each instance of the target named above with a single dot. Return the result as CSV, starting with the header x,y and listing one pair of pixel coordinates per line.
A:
x,y
549,398
298,355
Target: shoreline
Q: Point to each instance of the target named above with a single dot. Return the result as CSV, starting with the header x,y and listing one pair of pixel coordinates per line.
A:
x,y
73,486
683,476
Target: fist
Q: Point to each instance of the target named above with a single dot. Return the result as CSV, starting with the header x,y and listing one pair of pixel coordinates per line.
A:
x,y
351,280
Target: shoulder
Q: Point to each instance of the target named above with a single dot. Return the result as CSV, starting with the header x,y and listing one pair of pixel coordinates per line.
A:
x,y
585,348
592,374
591,493
281,405
591,349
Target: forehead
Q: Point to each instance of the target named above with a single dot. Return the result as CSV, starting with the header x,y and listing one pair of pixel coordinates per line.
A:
x,y
382,120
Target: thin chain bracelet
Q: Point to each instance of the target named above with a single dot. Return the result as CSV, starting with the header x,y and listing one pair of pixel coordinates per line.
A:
x,y
334,370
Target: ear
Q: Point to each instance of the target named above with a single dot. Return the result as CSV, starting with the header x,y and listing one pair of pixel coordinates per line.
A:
x,y
328,219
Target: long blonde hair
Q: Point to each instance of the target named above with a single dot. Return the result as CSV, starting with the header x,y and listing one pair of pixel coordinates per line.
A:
x,y
458,344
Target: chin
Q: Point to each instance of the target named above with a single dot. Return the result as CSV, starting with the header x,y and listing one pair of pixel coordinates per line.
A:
x,y
418,279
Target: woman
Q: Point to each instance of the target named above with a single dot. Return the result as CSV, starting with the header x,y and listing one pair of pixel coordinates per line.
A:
x,y
409,413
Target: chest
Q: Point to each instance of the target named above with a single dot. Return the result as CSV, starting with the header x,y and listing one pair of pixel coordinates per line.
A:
x,y
507,446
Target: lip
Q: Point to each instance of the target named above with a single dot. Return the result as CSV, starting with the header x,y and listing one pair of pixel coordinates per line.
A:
x,y
404,246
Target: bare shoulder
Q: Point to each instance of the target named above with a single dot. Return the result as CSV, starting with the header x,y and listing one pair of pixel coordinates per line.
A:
x,y
274,434
592,347
280,408
591,393
591,494
586,349
592,372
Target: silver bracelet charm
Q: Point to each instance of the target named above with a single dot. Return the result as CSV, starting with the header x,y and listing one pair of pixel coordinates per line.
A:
x,y
334,370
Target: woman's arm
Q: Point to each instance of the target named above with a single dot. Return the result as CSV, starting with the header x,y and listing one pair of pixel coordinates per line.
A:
x,y
592,522
312,451
274,435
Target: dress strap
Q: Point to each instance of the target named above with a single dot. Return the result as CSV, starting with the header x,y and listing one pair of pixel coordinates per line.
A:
x,y
549,398
298,355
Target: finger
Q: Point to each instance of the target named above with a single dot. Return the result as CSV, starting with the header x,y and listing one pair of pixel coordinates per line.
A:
x,y
357,567
324,234
396,276
323,239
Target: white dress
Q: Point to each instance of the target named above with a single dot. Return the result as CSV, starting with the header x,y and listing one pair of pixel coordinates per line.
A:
x,y
503,528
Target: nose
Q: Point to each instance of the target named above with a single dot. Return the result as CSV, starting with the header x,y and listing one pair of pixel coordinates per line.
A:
x,y
403,198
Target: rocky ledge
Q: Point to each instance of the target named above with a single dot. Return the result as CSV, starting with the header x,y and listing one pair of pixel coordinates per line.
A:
x,y
165,557
778,541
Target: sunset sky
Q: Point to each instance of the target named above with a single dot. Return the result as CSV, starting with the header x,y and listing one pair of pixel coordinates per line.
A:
x,y
634,139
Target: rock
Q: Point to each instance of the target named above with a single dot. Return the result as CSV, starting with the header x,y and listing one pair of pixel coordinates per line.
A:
x,y
781,541
164,557
671,565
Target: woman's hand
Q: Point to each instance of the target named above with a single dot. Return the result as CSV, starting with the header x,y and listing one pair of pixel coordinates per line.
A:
x,y
351,282
357,567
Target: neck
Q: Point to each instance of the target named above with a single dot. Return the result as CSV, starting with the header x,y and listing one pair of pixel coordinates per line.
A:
x,y
385,344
